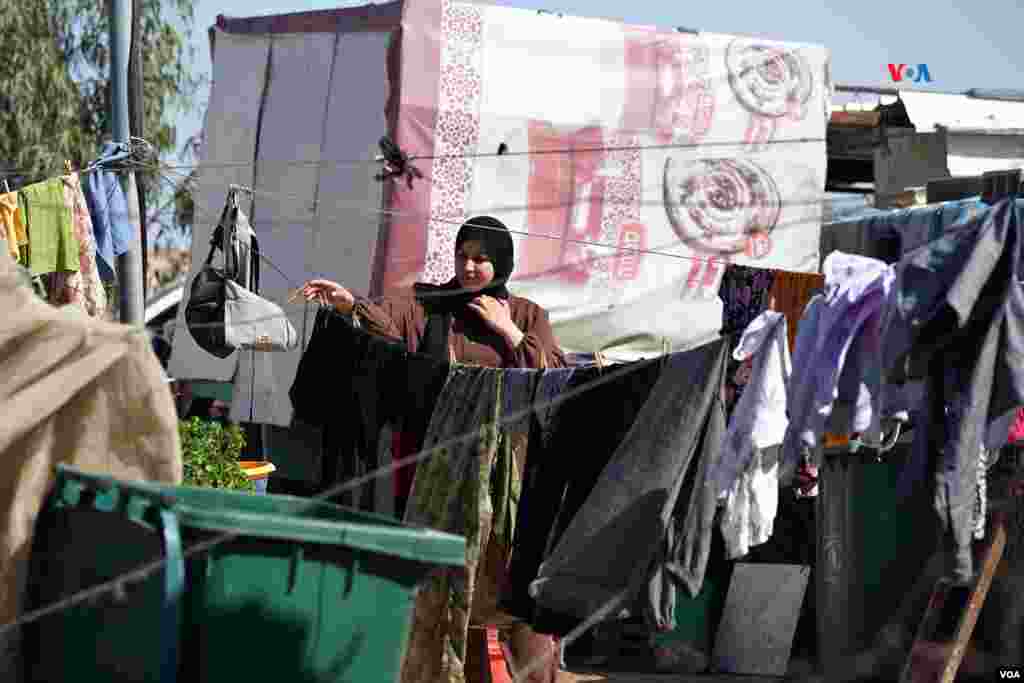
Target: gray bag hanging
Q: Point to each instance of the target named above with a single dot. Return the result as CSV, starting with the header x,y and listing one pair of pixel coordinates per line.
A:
x,y
224,311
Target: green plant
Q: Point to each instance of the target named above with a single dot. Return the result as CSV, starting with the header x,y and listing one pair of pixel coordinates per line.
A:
x,y
210,453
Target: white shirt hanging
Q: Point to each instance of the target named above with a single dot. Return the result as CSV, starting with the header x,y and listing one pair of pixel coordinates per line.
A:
x,y
747,478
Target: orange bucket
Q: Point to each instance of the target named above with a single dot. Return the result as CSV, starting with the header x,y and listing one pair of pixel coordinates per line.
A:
x,y
258,472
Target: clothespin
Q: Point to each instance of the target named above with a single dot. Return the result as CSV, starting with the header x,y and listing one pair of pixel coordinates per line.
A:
x,y
67,167
599,359
7,188
665,347
396,163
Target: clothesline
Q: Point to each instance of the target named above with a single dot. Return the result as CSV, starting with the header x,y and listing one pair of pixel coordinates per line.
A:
x,y
477,155
129,156
210,213
377,299
68,230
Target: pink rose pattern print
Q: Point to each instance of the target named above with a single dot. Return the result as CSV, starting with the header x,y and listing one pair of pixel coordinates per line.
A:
x,y
774,84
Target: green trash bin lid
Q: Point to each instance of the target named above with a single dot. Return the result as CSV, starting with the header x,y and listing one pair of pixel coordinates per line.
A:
x,y
272,516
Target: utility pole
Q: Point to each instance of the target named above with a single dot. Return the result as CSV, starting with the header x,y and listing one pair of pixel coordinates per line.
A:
x,y
129,264
136,122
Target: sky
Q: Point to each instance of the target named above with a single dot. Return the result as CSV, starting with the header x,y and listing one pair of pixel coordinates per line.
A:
x,y
963,46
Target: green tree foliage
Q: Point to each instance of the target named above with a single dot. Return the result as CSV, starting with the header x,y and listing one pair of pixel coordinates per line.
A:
x,y
55,84
40,106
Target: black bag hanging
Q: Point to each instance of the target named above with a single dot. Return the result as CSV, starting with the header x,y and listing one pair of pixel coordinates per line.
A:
x,y
204,313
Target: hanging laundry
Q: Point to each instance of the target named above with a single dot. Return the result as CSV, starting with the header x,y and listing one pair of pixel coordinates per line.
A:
x,y
76,391
52,244
791,292
431,322
747,474
517,393
745,294
640,531
347,373
465,487
113,228
594,412
957,320
12,223
836,382
888,235
1017,427
852,236
927,224
83,288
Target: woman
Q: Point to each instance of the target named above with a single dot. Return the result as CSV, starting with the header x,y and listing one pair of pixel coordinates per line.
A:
x,y
471,319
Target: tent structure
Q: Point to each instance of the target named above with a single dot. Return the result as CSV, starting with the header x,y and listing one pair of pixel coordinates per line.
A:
x,y
631,163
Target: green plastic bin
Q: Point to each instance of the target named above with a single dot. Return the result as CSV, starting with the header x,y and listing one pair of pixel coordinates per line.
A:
x,y
243,587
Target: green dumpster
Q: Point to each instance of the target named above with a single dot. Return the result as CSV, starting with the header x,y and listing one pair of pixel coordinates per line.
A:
x,y
872,545
233,586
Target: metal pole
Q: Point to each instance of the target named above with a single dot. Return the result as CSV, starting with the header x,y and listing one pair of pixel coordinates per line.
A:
x,y
129,264
136,122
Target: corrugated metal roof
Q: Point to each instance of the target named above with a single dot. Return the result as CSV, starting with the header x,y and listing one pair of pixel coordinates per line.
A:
x,y
928,110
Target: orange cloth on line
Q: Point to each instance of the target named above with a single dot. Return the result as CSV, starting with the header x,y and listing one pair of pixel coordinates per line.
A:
x,y
790,294
12,223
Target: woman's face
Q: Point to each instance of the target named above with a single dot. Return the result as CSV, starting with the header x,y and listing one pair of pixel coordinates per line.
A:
x,y
473,267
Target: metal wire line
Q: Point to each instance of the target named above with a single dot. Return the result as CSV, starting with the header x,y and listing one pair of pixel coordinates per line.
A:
x,y
472,155
378,299
350,206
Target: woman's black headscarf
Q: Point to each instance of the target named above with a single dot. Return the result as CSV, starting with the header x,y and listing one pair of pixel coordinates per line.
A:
x,y
443,301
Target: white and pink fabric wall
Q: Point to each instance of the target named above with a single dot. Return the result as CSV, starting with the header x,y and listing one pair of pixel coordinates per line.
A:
x,y
706,149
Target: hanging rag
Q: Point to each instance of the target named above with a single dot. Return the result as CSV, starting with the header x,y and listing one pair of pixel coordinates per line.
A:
x,y
349,374
836,382
747,475
453,492
791,292
541,492
957,320
1017,427
745,295
627,540
52,244
84,288
108,209
598,410
12,223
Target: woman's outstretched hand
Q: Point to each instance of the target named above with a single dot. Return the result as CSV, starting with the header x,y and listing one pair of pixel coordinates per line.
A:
x,y
329,293
498,317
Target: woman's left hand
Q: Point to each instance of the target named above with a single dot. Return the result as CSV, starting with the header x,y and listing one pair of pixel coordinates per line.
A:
x,y
497,316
